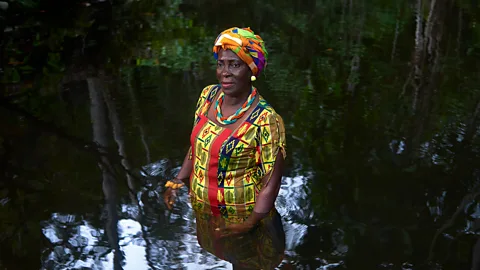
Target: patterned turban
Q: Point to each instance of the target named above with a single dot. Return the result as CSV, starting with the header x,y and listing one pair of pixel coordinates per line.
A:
x,y
248,46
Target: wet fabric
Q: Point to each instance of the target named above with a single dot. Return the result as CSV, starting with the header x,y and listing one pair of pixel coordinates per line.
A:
x,y
228,168
261,248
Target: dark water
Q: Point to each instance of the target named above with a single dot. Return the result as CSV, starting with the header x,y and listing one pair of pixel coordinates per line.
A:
x,y
381,101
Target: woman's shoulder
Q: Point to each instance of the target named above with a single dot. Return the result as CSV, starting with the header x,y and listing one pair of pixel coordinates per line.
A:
x,y
267,110
207,94
272,128
209,91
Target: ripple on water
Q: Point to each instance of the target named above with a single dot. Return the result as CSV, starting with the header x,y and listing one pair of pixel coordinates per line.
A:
x,y
294,207
171,243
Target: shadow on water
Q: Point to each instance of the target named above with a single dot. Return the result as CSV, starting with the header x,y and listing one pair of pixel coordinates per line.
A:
x,y
381,102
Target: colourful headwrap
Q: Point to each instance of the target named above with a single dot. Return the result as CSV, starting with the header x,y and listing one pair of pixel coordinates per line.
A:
x,y
248,46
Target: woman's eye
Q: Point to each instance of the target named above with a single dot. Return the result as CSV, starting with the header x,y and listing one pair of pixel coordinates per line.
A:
x,y
236,65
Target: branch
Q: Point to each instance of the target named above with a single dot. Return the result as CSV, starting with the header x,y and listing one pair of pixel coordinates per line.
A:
x,y
80,143
466,200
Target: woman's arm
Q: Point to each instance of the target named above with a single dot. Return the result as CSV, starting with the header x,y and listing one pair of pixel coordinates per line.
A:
x,y
267,196
186,170
184,175
265,200
273,153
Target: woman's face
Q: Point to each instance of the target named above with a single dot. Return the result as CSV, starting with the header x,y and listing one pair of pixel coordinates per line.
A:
x,y
232,73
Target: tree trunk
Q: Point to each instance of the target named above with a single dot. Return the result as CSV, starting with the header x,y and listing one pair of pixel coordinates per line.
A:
x,y
137,118
395,39
476,256
460,28
99,124
418,56
119,139
355,64
426,64
472,126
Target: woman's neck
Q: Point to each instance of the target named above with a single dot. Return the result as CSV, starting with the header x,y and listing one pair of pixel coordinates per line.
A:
x,y
233,101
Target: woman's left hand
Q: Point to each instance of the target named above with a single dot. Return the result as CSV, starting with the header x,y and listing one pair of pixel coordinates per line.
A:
x,y
235,229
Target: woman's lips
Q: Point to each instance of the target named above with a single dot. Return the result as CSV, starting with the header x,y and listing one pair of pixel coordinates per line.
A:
x,y
227,85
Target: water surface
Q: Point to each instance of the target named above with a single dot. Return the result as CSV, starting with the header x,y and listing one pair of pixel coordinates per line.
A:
x,y
381,102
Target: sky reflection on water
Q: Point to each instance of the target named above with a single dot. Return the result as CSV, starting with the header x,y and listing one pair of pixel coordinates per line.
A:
x,y
181,250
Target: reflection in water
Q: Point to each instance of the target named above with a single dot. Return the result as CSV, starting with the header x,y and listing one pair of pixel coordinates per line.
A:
x,y
100,136
74,239
261,248
166,250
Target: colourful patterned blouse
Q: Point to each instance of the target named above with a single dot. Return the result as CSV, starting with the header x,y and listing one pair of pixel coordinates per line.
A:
x,y
229,165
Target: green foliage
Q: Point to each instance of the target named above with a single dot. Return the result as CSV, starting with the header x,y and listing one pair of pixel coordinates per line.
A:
x,y
340,75
29,4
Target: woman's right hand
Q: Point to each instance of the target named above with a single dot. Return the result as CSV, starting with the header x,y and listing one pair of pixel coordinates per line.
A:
x,y
171,193
169,197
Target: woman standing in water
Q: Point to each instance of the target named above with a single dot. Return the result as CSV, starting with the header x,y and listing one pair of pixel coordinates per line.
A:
x,y
234,166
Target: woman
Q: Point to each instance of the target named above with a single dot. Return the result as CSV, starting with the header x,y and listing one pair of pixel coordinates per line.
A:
x,y
234,166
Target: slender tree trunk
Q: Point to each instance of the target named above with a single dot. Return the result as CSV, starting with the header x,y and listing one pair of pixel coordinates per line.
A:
x,y
355,64
395,39
431,20
418,55
149,247
119,139
460,28
99,124
425,80
472,125
137,118
348,32
476,256
343,31
342,20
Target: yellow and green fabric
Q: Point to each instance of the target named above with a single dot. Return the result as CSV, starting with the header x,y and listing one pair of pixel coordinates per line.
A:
x,y
228,168
229,165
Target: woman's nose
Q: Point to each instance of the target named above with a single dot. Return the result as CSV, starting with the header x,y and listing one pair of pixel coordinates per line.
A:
x,y
226,71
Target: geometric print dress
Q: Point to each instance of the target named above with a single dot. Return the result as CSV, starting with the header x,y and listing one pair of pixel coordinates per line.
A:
x,y
228,168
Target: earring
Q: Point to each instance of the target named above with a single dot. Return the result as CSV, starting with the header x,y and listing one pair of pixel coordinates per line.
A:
x,y
253,78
